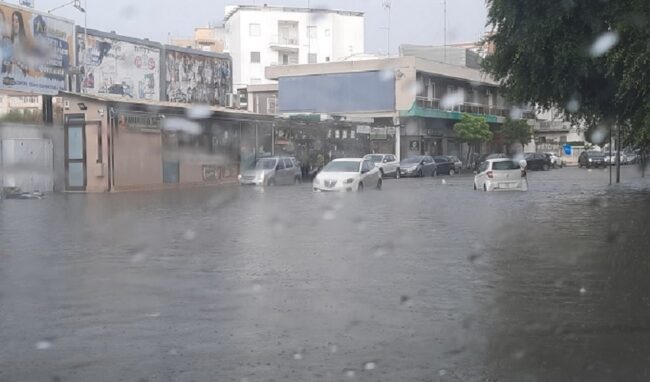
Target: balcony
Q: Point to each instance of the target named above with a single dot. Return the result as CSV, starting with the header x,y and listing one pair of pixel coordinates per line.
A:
x,y
469,107
552,126
284,42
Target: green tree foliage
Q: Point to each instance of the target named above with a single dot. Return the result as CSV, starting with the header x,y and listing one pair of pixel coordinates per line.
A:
x,y
547,54
515,131
472,130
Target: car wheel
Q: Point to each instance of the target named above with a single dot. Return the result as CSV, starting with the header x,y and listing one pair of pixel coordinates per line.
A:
x,y
379,184
419,173
360,187
397,173
545,167
475,188
271,182
452,171
484,187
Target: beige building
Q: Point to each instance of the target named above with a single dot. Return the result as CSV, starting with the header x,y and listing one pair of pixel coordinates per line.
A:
x,y
207,39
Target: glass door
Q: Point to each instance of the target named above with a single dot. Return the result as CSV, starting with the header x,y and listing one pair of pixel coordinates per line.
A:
x,y
75,152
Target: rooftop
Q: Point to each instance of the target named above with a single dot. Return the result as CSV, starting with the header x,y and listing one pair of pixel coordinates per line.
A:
x,y
232,9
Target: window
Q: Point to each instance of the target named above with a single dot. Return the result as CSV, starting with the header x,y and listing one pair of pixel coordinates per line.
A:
x,y
255,57
254,30
288,163
255,81
311,32
337,134
328,32
344,134
353,134
327,59
505,165
312,58
280,165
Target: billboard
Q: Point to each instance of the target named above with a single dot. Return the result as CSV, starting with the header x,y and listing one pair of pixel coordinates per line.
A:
x,y
35,50
195,77
119,65
337,93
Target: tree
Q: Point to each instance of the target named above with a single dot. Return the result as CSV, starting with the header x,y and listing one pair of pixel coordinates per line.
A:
x,y
472,130
588,58
515,131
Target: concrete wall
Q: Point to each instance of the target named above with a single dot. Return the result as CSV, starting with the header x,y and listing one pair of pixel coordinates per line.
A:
x,y
138,160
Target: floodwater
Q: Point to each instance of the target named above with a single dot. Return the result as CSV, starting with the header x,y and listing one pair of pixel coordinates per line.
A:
x,y
424,281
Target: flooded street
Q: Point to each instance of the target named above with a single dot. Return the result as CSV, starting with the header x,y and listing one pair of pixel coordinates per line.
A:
x,y
426,280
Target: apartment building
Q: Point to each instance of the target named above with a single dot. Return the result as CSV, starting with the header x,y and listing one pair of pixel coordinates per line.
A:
x,y
261,36
207,39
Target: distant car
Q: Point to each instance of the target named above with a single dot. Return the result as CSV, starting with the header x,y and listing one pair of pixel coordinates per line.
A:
x,y
348,174
590,159
501,174
387,164
556,160
537,161
272,171
485,157
444,165
458,164
418,166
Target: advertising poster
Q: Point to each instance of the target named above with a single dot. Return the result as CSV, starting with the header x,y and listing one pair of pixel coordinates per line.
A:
x,y
195,78
114,66
35,50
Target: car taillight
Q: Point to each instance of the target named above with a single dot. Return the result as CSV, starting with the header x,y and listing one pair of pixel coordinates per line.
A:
x,y
489,174
523,173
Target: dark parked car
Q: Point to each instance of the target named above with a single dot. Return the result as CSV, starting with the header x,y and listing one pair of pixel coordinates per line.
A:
x,y
484,157
537,161
590,159
444,165
421,165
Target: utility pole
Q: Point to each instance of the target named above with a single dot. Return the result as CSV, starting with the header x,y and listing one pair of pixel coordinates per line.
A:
x,y
610,155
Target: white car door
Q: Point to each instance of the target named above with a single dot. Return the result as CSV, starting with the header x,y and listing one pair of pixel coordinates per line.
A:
x,y
366,173
391,163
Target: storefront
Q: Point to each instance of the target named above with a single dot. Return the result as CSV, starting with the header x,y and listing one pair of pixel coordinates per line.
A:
x,y
115,145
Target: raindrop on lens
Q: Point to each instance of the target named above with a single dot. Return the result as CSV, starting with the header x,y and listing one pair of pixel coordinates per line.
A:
x,y
369,365
603,43
43,345
189,235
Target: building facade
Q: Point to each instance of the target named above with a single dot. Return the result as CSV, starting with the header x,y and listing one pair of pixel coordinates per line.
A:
x,y
409,103
207,39
261,36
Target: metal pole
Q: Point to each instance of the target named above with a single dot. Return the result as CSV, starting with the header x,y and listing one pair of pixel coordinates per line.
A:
x,y
610,155
445,30
389,8
618,154
85,38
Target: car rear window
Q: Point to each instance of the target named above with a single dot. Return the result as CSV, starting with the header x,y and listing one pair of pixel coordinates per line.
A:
x,y
505,165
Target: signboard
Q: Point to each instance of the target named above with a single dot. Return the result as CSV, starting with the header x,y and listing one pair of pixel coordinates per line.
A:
x,y
568,149
36,51
115,66
378,133
197,78
363,129
138,122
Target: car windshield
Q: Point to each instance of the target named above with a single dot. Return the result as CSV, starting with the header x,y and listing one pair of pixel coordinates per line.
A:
x,y
265,164
505,165
374,158
342,166
412,160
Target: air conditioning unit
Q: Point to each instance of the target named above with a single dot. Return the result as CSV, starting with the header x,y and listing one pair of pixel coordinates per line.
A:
x,y
230,100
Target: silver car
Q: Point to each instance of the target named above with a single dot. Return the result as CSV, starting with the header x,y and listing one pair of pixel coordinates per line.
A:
x,y
272,171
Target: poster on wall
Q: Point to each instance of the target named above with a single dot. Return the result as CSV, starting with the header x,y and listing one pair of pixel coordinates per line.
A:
x,y
197,78
35,51
118,67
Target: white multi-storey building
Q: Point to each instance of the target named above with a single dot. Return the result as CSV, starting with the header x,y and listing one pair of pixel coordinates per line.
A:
x,y
261,36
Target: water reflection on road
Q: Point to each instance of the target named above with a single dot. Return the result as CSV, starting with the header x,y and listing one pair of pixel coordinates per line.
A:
x,y
423,281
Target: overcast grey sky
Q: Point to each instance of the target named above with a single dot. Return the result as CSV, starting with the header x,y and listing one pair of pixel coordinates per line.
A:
x,y
413,21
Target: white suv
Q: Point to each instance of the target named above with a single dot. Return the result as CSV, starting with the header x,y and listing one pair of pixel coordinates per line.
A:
x,y
386,163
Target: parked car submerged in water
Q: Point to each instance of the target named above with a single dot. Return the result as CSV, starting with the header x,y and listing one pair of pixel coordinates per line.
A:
x,y
348,174
590,159
272,171
501,174
418,166
387,164
444,165
537,161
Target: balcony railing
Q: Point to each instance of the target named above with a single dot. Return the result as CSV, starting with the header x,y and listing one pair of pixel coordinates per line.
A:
x,y
469,107
284,41
553,126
